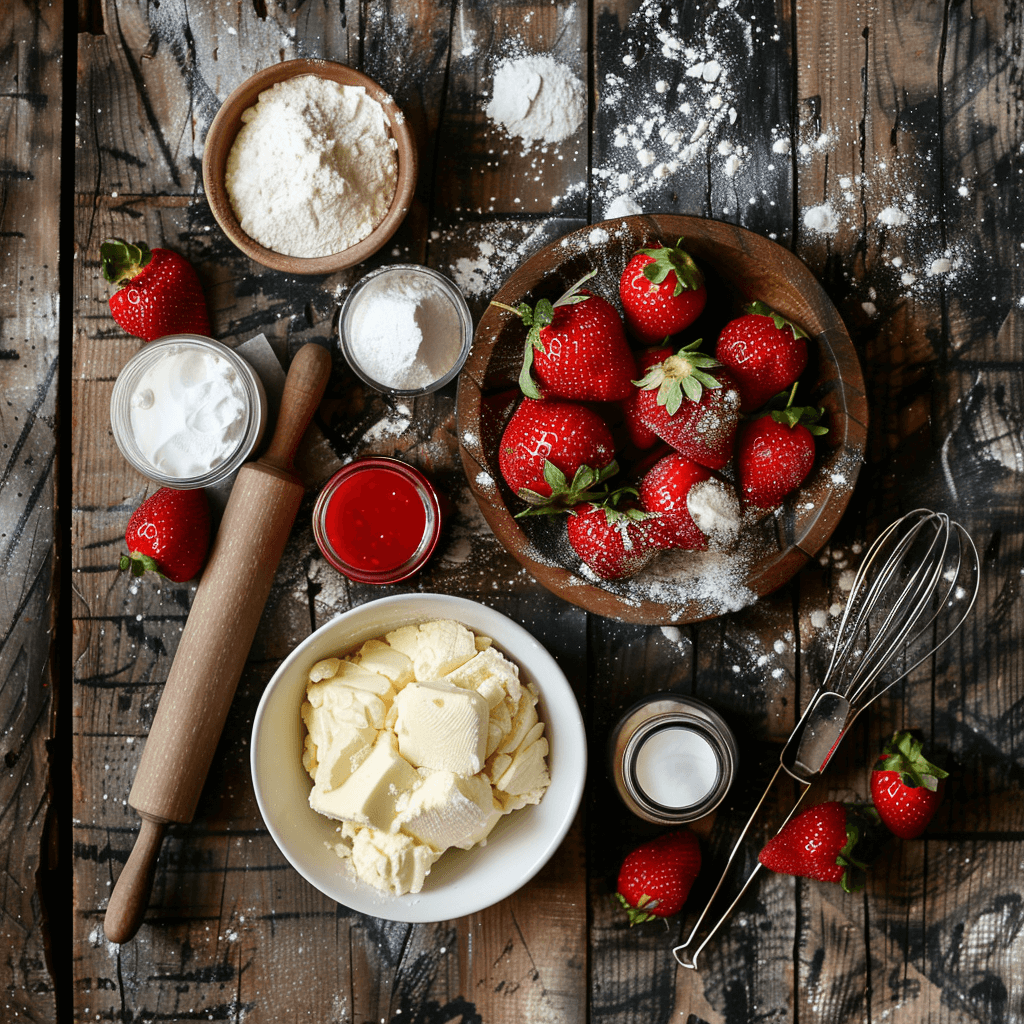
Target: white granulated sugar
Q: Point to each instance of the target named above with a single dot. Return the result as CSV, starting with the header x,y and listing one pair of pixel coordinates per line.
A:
x,y
715,510
818,619
713,579
869,308
821,219
313,169
893,217
943,265
403,330
394,424
622,206
781,146
908,278
732,164
537,99
484,479
598,236
500,248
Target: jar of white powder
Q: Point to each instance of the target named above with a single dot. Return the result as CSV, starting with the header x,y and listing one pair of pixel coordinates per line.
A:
x,y
187,411
405,329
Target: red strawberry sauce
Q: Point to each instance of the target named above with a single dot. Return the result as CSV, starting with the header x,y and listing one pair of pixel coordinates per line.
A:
x,y
377,520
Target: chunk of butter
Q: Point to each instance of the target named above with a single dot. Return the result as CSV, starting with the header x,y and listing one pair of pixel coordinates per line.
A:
x,y
442,726
435,648
449,810
393,862
368,795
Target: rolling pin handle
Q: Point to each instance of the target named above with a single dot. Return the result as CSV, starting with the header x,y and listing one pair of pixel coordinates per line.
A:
x,y
303,388
128,901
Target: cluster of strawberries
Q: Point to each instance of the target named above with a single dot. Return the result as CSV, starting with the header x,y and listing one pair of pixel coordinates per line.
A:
x,y
831,842
158,293
691,413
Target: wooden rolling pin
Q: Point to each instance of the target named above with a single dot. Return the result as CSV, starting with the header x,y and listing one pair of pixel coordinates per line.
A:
x,y
215,642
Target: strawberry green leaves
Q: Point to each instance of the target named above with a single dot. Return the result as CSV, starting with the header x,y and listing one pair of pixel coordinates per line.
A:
x,y
121,261
682,374
667,260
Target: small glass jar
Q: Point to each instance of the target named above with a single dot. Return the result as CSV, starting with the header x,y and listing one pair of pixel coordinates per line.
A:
x,y
165,387
380,305
377,520
673,759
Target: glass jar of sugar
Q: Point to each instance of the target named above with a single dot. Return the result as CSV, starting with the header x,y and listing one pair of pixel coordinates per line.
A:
x,y
187,411
405,329
673,758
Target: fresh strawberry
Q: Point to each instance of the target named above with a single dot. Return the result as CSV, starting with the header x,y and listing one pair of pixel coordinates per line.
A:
x,y
775,452
683,404
655,878
554,453
169,533
158,291
765,352
662,292
576,347
640,435
906,788
664,489
611,537
826,842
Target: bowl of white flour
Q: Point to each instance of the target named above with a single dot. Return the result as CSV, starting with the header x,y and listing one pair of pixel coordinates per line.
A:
x,y
309,167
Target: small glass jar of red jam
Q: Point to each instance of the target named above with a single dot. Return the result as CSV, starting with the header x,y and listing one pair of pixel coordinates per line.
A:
x,y
377,520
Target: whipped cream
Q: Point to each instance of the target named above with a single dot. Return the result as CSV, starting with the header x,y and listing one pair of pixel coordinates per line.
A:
x,y
189,411
417,742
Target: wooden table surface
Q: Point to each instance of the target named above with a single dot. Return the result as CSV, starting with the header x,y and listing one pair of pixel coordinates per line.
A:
x,y
875,140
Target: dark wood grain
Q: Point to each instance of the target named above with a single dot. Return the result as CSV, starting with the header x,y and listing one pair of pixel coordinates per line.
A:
x,y
30,175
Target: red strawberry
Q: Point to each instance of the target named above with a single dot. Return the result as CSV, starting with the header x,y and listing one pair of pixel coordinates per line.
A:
x,y
554,452
169,533
822,843
159,292
696,413
774,454
906,788
577,348
613,541
655,878
664,489
662,292
640,435
765,352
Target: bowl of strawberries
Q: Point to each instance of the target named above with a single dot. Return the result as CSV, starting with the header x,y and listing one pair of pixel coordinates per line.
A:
x,y
662,417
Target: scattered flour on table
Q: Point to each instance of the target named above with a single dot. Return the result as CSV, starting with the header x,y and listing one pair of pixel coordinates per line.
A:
x,y
537,99
313,169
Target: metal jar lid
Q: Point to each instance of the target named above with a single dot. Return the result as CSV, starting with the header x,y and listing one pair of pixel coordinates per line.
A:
x,y
660,722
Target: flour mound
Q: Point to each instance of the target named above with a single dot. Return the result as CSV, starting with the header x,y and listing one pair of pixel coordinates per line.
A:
x,y
313,170
537,99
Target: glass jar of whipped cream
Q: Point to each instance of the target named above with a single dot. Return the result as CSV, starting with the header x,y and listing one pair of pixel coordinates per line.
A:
x,y
187,411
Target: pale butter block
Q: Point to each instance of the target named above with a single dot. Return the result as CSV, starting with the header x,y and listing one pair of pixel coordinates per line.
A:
x,y
336,745
496,766
347,702
436,648
491,674
368,795
377,656
498,726
528,772
394,862
449,810
523,721
324,669
360,678
442,726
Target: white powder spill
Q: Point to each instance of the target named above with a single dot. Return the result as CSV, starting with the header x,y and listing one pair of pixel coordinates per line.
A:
x,y
821,219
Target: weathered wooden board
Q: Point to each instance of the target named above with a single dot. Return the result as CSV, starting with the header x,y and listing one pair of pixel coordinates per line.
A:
x,y
31,41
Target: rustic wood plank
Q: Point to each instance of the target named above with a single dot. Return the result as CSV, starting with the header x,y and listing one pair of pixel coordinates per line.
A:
x,y
30,114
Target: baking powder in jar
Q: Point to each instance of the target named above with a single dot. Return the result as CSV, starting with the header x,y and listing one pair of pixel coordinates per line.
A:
x,y
186,411
673,758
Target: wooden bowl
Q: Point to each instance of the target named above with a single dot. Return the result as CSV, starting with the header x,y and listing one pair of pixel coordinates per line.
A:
x,y
739,266
221,138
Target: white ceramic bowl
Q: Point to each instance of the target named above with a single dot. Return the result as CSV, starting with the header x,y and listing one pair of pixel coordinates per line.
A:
x,y
462,881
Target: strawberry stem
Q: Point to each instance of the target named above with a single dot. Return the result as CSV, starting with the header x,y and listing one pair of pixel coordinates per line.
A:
x,y
672,259
139,564
121,261
680,374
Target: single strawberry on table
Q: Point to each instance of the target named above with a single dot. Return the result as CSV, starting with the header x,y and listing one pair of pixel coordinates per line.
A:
x,y
683,404
169,533
576,347
662,292
832,842
664,489
612,537
906,788
655,878
554,452
158,291
775,452
765,353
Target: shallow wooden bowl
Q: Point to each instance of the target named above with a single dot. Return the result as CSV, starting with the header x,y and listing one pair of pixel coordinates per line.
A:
x,y
221,138
740,266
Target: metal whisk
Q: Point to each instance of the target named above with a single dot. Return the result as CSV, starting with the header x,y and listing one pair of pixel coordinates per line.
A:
x,y
913,590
